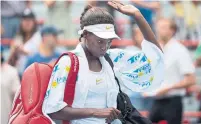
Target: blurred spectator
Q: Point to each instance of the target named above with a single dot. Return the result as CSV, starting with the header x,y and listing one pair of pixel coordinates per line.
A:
x,y
59,15
179,8
193,19
148,8
178,18
197,88
198,56
46,51
26,42
187,20
9,85
179,74
11,12
166,10
2,30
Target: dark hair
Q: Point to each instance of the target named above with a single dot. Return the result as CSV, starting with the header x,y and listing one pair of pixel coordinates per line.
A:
x,y
23,33
173,26
94,15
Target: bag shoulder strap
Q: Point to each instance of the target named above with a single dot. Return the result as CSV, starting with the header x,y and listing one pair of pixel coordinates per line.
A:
x,y
72,76
108,59
71,80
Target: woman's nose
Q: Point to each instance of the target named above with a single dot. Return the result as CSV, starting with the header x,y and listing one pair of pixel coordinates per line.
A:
x,y
104,47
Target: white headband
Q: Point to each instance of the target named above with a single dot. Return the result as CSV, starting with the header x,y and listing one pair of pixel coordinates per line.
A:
x,y
105,31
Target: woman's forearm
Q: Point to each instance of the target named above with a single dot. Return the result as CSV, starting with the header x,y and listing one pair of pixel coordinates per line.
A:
x,y
145,28
69,113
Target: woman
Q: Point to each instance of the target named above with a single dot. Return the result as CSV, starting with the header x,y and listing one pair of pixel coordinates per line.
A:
x,y
26,42
8,87
96,89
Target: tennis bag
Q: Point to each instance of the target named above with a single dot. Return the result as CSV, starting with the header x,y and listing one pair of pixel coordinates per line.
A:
x,y
27,105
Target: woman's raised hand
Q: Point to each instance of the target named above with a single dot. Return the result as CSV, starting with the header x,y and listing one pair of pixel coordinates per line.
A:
x,y
125,9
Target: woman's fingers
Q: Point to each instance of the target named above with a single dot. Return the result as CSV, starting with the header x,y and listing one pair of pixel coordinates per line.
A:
x,y
113,5
117,111
118,3
114,115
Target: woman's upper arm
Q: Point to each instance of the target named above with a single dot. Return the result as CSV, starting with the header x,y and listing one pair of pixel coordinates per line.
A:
x,y
53,101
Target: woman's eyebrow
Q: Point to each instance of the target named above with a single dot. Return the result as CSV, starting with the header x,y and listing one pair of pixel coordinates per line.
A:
x,y
104,39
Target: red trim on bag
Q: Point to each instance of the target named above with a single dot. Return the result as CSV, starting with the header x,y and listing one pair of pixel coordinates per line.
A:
x,y
71,81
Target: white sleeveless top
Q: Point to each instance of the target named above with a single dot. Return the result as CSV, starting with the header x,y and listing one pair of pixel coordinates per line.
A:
x,y
97,96
98,89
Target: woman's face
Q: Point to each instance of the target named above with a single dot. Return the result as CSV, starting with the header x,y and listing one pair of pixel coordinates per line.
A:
x,y
97,46
27,24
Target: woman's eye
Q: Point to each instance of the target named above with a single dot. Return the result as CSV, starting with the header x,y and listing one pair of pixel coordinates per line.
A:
x,y
109,42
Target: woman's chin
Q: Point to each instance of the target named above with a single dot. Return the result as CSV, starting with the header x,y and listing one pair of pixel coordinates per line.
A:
x,y
102,54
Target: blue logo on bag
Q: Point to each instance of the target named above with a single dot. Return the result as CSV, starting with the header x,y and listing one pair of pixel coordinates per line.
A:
x,y
61,79
56,68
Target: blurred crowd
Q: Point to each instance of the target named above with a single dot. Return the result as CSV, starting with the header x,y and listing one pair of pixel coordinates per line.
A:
x,y
35,28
